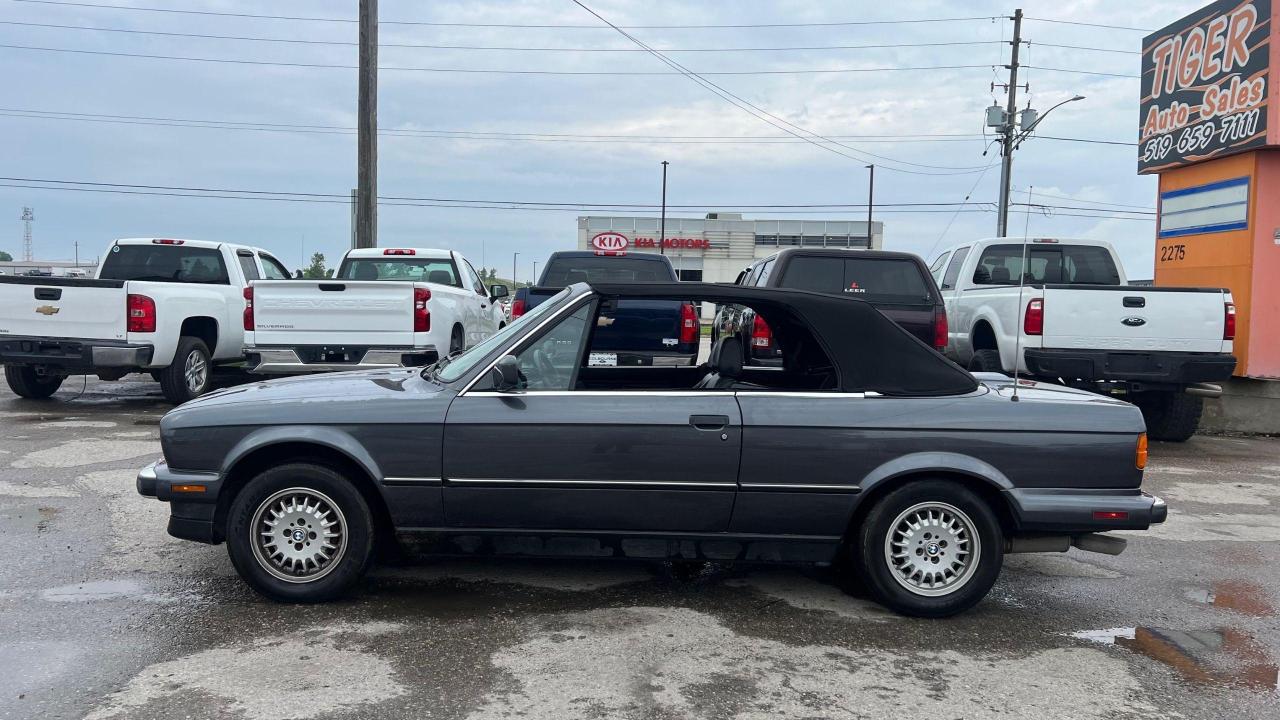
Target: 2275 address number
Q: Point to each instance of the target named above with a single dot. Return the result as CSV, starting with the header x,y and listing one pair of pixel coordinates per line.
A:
x,y
1173,252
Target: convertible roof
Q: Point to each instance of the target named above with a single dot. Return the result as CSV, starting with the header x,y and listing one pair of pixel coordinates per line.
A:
x,y
870,351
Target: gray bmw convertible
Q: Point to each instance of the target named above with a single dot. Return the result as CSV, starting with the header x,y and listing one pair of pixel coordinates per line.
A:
x,y
865,445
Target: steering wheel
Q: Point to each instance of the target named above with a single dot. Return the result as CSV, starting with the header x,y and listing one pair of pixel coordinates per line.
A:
x,y
547,371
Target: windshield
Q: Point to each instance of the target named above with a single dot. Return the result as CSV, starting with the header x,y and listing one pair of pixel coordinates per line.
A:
x,y
450,369
405,269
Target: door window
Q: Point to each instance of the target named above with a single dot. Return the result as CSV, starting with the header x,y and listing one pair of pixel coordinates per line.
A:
x,y
250,267
551,362
953,270
936,268
762,279
272,268
476,283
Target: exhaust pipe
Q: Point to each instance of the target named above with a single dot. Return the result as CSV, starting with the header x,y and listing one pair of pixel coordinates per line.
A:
x,y
1099,543
1090,542
1204,390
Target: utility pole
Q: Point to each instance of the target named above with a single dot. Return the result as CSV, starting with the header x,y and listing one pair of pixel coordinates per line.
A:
x,y
662,224
28,216
367,129
514,284
1009,130
871,200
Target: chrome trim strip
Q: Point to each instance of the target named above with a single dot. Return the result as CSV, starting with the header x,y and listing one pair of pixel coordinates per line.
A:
x,y
602,393
811,394
593,483
798,486
411,481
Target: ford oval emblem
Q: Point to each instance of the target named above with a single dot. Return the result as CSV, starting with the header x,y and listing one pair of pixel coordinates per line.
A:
x,y
1134,321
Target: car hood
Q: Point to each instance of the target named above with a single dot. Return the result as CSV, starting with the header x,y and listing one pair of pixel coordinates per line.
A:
x,y
355,397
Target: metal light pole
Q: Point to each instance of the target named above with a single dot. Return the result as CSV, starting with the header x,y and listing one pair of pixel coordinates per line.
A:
x,y
535,273
1013,141
514,284
871,200
662,224
367,129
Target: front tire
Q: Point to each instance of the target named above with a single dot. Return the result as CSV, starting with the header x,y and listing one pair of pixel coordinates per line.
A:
x,y
190,374
931,548
300,533
26,382
1170,416
986,361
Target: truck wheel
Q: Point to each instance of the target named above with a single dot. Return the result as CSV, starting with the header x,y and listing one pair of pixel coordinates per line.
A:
x,y
188,376
986,361
931,548
456,340
26,382
300,533
1170,416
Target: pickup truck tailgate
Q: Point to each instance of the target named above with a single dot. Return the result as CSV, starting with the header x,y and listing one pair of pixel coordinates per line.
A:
x,y
1129,317
63,308
332,312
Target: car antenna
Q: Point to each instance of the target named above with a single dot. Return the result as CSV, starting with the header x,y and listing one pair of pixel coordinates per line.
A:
x,y
1022,281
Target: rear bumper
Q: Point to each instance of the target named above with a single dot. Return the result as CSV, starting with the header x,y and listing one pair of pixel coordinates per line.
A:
x,y
1068,510
191,506
1153,367
73,355
286,361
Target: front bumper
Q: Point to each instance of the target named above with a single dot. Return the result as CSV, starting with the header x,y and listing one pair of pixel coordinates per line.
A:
x,y
1070,510
192,498
73,355
289,361
1179,368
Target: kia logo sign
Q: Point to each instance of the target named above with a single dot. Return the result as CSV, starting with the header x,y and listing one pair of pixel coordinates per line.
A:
x,y
610,243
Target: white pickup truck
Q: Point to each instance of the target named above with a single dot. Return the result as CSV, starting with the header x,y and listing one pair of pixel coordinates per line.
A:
x,y
1075,320
168,307
385,307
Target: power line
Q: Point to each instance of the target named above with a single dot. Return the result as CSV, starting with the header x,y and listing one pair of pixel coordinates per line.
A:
x,y
1041,193
1085,47
104,6
1089,24
1082,72
488,71
1084,140
507,48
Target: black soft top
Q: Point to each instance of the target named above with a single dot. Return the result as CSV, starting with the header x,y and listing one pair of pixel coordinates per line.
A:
x,y
870,352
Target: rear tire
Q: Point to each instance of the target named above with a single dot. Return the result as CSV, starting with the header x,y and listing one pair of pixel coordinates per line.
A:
x,y
1170,416
930,548
26,382
313,552
986,361
190,374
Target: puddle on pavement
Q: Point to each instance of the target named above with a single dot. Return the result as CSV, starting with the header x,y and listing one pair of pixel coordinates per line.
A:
x,y
147,420
103,590
1221,656
1237,595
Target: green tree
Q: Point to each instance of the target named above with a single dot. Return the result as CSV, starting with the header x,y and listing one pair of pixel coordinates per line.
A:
x,y
5,257
316,270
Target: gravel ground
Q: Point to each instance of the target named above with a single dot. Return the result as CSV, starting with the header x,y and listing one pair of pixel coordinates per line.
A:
x,y
102,615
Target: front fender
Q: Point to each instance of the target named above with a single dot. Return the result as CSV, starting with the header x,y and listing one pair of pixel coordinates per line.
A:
x,y
326,435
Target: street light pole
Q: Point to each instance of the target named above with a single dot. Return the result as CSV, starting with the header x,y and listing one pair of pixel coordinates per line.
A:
x,y
514,284
534,280
662,225
871,200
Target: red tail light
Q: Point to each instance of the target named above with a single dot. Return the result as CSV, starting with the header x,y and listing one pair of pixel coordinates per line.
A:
x,y
688,324
761,337
142,314
399,251
421,315
940,331
248,309
1033,321
166,241
1110,515
1229,322
517,308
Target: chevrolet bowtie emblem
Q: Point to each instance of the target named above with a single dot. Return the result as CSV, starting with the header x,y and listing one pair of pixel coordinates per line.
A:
x,y
48,309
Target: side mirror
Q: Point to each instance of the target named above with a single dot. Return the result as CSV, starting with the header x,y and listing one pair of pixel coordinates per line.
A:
x,y
498,291
505,374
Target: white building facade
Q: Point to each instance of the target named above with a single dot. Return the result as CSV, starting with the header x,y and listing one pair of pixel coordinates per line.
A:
x,y
721,245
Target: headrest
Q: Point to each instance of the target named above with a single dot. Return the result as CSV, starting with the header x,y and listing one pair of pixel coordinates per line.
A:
x,y
726,356
440,277
575,276
366,271
1000,274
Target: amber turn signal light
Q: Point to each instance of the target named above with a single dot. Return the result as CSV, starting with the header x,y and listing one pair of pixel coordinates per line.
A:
x,y
187,488
1140,457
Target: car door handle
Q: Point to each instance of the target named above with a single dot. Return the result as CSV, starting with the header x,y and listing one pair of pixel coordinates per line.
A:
x,y
709,422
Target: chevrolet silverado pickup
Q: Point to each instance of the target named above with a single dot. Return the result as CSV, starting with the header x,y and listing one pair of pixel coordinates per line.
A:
x,y
1069,316
163,306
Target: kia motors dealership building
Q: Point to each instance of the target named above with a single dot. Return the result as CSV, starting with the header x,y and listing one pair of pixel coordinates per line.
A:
x,y
718,247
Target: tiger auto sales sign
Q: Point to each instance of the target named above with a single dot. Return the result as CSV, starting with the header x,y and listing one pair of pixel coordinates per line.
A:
x,y
1205,85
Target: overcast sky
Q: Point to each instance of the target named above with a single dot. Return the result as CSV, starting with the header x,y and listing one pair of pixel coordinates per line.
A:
x,y
707,174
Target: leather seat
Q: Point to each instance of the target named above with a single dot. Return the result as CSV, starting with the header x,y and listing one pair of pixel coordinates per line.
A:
x,y
726,365
440,277
366,271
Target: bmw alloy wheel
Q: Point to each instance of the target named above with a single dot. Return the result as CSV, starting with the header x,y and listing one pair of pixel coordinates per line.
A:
x,y
932,549
298,535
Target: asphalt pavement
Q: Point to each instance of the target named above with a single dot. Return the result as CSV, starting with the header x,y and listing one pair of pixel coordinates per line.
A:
x,y
102,615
